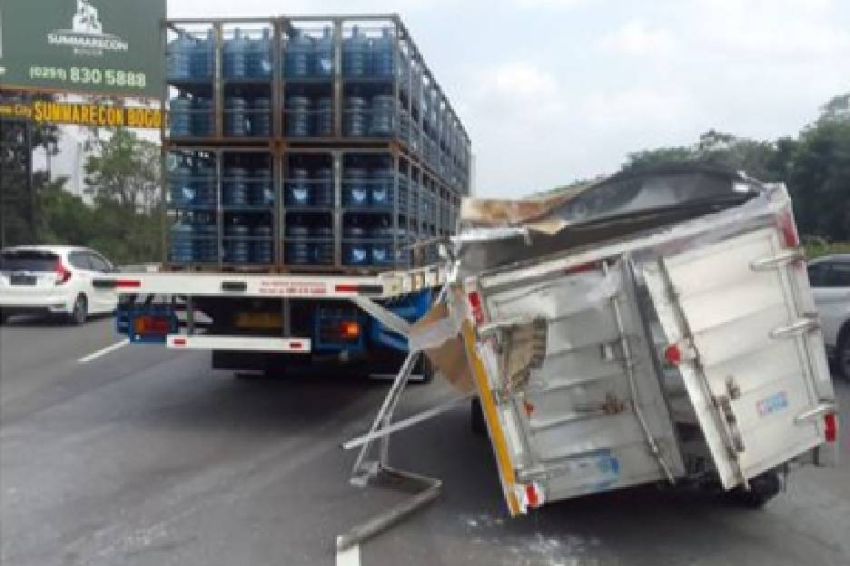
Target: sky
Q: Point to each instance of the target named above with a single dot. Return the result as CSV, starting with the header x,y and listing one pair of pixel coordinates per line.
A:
x,y
552,91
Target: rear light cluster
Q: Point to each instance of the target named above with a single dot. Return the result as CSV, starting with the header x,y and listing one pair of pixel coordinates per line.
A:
x,y
788,228
63,274
476,307
152,326
350,331
830,422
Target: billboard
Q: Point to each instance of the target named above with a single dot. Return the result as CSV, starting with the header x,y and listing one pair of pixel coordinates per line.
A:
x,y
108,47
79,114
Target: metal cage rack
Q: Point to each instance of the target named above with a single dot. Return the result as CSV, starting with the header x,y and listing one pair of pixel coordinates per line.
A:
x,y
305,143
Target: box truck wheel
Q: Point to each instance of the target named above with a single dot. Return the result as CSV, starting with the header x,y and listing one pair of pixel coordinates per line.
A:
x,y
763,488
476,415
842,355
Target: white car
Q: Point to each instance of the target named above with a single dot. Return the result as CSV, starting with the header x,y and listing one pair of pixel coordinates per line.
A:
x,y
54,280
830,279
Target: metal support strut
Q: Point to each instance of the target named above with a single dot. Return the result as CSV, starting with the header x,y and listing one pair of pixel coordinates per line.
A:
x,y
377,471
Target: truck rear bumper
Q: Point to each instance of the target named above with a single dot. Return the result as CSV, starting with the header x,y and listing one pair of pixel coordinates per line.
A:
x,y
240,343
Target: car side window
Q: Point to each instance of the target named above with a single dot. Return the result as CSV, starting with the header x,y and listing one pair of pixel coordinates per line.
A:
x,y
839,275
817,274
98,263
79,260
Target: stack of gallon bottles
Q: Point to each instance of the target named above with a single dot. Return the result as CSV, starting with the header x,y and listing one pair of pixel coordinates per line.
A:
x,y
369,200
309,201
194,237
248,199
366,63
247,74
309,60
190,60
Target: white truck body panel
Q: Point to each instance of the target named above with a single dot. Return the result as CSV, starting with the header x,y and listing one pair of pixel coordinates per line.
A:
x,y
577,429
601,409
758,365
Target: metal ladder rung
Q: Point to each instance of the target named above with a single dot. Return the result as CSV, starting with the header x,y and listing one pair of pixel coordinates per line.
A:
x,y
559,386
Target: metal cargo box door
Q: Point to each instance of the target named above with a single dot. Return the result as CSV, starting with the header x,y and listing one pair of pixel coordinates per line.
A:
x,y
583,412
737,327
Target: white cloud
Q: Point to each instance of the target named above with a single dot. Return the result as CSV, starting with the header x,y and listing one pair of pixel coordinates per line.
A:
x,y
548,3
638,38
770,28
520,79
639,108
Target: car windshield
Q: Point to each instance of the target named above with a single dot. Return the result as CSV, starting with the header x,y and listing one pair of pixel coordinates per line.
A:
x,y
27,260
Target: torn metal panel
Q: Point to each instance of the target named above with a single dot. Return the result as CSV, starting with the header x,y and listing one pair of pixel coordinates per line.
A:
x,y
620,207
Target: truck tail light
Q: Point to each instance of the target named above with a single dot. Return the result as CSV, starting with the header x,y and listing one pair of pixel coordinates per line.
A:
x,y
476,307
350,331
788,228
152,326
830,422
673,355
583,268
63,274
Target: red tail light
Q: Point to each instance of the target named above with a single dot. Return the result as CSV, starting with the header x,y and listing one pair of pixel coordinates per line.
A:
x,y
831,427
63,274
673,355
152,326
583,268
785,221
476,307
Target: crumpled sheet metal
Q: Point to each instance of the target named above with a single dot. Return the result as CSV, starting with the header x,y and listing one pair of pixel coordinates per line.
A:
x,y
537,215
438,335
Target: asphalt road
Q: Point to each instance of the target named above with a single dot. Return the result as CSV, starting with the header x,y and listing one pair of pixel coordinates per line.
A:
x,y
147,457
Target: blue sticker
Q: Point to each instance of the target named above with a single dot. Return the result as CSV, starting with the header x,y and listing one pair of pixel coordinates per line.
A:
x,y
772,404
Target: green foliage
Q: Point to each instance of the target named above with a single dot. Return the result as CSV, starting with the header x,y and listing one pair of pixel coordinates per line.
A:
x,y
125,223
19,213
757,158
121,233
124,170
815,166
820,248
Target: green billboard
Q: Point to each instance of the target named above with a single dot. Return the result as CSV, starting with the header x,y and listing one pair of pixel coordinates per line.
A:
x,y
109,47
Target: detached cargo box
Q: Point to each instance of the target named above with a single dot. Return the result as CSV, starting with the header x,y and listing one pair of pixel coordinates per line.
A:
x,y
652,327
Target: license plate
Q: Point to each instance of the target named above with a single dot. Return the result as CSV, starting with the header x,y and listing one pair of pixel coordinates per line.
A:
x,y
259,320
22,280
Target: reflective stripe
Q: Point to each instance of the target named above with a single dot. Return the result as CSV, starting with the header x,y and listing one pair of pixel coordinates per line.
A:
x,y
497,435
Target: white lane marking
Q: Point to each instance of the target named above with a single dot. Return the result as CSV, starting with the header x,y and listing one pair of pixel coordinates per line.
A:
x,y
349,556
104,351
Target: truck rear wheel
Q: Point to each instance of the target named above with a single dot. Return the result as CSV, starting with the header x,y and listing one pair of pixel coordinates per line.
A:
x,y
763,488
842,356
476,417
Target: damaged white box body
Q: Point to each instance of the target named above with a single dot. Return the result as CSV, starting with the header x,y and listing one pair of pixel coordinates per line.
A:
x,y
689,351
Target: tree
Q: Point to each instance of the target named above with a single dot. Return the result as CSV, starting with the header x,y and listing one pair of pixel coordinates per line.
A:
x,y
819,177
125,170
815,166
19,184
757,158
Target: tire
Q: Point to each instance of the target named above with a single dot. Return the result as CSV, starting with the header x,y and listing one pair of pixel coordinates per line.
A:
x,y
842,356
79,314
425,369
763,488
476,418
4,318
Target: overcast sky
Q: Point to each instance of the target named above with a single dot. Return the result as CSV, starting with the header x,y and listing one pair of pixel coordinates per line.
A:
x,y
554,90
